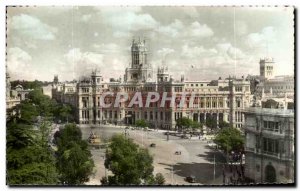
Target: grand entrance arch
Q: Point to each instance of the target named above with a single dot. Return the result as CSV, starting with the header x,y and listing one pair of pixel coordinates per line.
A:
x,y
270,174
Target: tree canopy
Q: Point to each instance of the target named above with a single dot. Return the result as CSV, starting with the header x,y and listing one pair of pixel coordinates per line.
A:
x,y
141,123
28,84
130,164
211,123
230,139
223,124
186,123
29,158
74,160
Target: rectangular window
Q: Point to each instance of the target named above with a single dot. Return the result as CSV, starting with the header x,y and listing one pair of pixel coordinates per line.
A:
x,y
271,146
265,124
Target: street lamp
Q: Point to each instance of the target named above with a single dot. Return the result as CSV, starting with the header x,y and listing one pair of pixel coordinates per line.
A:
x,y
214,167
168,134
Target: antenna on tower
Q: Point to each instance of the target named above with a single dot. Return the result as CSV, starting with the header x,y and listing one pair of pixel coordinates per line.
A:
x,y
234,39
267,42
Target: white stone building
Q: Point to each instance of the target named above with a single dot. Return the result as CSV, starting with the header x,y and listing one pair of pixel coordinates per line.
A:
x,y
274,85
269,130
224,100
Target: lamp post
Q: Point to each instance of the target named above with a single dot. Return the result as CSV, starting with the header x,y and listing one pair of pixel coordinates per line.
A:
x,y
168,134
214,167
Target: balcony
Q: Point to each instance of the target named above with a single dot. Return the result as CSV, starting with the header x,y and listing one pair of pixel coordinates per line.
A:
x,y
272,133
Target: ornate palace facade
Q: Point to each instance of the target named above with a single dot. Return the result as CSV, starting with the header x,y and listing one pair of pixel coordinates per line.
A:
x,y
223,100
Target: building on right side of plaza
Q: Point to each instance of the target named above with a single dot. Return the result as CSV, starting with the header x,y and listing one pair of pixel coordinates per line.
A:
x,y
269,148
267,83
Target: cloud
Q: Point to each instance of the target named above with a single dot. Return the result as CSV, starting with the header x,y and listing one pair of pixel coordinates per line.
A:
x,y
86,18
197,52
198,30
191,11
107,48
19,64
259,40
172,29
241,28
82,63
227,50
164,52
31,27
179,30
124,20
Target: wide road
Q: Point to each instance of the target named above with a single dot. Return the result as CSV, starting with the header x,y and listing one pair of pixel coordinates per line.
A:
x,y
196,159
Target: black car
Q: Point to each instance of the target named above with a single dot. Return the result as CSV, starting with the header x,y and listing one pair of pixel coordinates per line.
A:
x,y
190,179
184,137
152,145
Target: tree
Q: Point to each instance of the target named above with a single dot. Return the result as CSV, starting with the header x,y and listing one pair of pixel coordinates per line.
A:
x,y
70,133
159,179
130,164
75,165
28,84
196,125
28,158
211,123
19,135
183,123
28,112
141,123
230,139
223,124
74,160
65,112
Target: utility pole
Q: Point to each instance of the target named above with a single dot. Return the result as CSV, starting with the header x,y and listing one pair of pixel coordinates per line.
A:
x,y
168,134
214,167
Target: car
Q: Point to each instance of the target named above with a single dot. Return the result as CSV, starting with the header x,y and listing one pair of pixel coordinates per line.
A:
x,y
184,137
152,145
190,179
211,144
166,133
178,153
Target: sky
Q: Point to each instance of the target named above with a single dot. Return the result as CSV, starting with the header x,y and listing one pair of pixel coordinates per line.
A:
x,y
201,43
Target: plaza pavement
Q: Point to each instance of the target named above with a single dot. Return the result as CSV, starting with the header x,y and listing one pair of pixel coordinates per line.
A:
x,y
196,159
